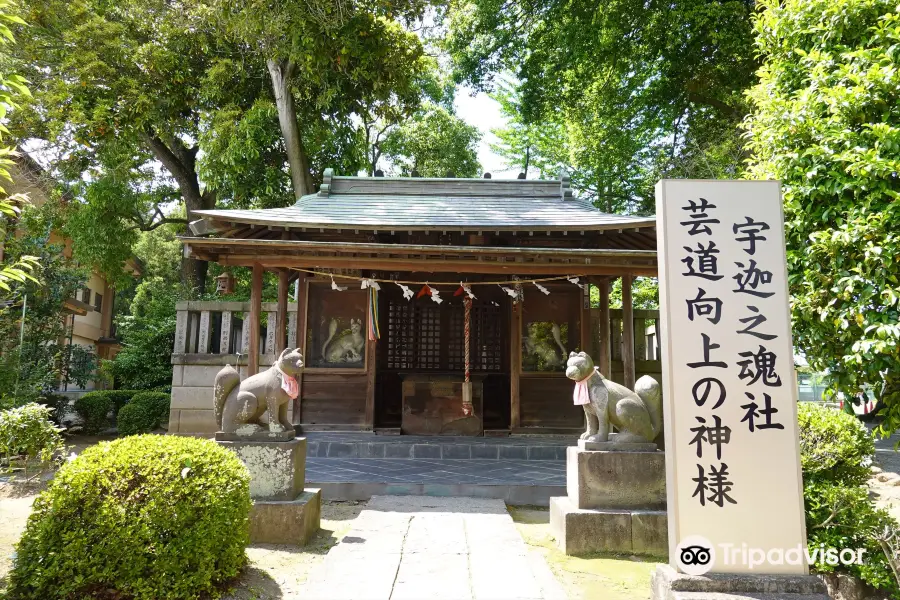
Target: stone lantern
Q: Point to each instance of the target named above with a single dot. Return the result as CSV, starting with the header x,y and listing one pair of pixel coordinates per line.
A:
x,y
225,284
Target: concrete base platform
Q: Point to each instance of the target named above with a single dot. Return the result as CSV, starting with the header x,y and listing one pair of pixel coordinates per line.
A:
x,y
292,522
630,531
668,584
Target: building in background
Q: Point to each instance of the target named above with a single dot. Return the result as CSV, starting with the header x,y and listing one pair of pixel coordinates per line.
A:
x,y
89,315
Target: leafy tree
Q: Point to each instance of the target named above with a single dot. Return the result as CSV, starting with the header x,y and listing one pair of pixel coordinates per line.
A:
x,y
326,60
118,91
21,270
45,358
644,88
826,122
523,144
434,143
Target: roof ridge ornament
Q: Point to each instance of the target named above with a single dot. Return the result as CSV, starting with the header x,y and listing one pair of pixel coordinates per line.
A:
x,y
325,188
565,187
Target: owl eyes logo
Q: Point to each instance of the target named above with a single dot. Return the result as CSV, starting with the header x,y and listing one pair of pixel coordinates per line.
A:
x,y
695,555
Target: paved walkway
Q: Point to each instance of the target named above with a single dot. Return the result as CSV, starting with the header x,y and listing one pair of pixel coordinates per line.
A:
x,y
433,548
417,470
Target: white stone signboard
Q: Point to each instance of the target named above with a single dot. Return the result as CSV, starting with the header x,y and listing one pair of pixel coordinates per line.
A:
x,y
730,403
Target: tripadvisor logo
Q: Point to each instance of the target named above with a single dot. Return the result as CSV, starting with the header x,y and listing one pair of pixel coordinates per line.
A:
x,y
696,555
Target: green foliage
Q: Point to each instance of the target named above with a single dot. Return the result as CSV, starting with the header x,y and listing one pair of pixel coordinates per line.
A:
x,y
825,122
834,446
434,143
541,145
28,431
644,89
94,408
835,451
644,293
45,359
142,517
147,337
144,414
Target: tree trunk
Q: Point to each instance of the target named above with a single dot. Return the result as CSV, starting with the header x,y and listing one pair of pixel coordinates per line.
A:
x,y
298,161
180,162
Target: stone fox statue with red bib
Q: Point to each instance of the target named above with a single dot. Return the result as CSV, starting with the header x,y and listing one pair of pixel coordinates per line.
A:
x,y
637,415
240,404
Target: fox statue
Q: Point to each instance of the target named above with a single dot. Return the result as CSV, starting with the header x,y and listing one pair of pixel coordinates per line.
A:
x,y
240,404
637,415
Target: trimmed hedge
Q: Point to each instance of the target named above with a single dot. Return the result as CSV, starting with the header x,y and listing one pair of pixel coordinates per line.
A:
x,y
95,407
835,453
141,517
145,413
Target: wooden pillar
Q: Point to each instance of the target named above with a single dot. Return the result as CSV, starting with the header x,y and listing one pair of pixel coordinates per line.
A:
x,y
587,337
515,366
627,333
255,312
370,384
300,337
604,356
281,313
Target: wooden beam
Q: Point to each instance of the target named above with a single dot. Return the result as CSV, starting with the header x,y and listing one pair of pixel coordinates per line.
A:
x,y
302,304
281,312
604,354
515,366
432,265
255,312
627,332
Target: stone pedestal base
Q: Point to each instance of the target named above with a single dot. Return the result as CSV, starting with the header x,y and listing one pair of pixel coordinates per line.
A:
x,y
616,480
668,584
584,530
292,522
277,469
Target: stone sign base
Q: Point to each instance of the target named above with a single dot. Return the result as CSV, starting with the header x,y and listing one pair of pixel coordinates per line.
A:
x,y
286,521
584,530
668,584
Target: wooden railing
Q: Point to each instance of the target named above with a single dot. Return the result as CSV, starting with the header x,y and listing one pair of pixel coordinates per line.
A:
x,y
220,328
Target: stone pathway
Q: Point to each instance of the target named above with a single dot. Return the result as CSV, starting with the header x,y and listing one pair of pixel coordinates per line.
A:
x,y
405,547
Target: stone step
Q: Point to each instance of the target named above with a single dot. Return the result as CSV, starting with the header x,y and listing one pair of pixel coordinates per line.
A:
x,y
437,448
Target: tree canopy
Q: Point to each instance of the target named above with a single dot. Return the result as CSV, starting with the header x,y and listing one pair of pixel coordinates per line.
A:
x,y
645,89
826,122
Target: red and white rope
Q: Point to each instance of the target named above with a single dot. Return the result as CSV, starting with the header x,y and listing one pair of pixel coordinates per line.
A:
x,y
468,305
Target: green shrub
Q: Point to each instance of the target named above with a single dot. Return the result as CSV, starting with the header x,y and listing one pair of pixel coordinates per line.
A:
x,y
835,452
57,403
27,431
834,446
94,409
145,412
142,517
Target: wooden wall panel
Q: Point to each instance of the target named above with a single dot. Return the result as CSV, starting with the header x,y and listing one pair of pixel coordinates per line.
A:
x,y
334,399
547,402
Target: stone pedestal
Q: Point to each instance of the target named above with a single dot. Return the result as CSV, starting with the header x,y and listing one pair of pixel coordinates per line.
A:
x,y
277,469
286,522
668,584
616,502
282,513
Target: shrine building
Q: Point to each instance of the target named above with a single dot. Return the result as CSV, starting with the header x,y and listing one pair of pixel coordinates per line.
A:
x,y
529,251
